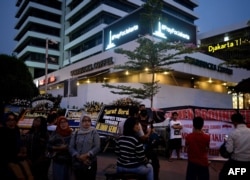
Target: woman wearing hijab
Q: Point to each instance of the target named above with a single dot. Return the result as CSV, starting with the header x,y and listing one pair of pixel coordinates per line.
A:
x,y
84,146
59,143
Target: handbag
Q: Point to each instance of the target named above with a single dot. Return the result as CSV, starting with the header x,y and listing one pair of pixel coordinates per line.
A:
x,y
223,151
77,164
63,158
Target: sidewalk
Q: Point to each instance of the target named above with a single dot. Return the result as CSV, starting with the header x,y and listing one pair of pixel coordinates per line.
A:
x,y
175,170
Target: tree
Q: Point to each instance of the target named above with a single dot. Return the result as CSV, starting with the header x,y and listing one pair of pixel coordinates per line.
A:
x,y
151,14
16,80
239,63
154,55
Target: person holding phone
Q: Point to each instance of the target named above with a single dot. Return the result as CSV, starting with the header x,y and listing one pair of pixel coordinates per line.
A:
x,y
238,146
150,140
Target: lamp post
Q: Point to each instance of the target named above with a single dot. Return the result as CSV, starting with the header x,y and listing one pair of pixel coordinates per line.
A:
x,y
69,89
48,41
46,65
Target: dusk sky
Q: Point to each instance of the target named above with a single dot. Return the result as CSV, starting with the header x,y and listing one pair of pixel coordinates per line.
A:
x,y
212,14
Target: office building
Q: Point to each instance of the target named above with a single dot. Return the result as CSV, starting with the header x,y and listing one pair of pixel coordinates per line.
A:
x,y
86,33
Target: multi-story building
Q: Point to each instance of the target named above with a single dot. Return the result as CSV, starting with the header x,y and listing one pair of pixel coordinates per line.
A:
x,y
230,43
227,43
87,31
37,21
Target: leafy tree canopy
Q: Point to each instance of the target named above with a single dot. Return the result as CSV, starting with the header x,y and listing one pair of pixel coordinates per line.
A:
x,y
15,79
238,63
154,55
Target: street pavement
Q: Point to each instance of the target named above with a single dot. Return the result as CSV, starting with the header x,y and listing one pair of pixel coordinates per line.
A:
x,y
175,170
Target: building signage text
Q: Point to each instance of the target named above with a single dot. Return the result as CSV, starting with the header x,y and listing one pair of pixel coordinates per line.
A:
x,y
170,30
90,67
51,79
119,35
227,45
132,27
207,65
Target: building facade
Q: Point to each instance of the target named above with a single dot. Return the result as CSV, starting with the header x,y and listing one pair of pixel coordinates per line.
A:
x,y
37,21
87,31
230,43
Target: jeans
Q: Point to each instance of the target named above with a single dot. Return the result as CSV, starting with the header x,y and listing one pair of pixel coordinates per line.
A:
x,y
146,170
61,171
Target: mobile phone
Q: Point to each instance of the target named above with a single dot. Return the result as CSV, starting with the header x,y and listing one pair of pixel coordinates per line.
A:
x,y
226,137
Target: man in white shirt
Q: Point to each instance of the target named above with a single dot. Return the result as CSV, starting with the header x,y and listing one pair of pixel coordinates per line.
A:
x,y
238,145
175,135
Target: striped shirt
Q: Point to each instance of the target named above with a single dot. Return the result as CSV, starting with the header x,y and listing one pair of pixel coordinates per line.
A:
x,y
130,152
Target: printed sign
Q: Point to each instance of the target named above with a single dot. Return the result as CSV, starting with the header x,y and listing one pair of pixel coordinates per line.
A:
x,y
73,116
111,119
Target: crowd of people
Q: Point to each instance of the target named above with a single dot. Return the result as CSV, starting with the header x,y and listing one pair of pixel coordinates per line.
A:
x,y
48,151
52,150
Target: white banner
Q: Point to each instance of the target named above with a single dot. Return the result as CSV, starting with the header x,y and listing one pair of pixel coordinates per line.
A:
x,y
217,124
217,131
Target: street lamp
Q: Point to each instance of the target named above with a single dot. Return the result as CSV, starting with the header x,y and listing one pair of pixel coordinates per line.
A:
x,y
48,41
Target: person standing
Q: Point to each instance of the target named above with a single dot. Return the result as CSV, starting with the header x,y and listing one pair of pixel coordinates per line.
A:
x,y
175,135
146,126
142,107
13,153
51,122
150,141
167,138
59,144
51,127
238,145
84,146
36,142
130,151
197,144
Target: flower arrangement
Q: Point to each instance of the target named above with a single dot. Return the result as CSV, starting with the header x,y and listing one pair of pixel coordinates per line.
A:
x,y
20,102
126,102
93,107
